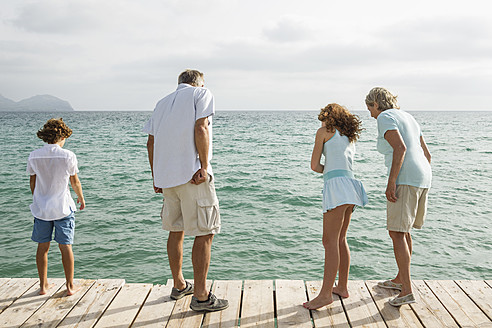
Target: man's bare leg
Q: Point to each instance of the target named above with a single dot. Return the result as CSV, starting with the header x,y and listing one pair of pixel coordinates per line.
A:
x,y
175,256
68,267
201,254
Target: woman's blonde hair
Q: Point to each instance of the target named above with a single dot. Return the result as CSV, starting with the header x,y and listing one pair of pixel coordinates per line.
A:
x,y
383,98
338,117
54,130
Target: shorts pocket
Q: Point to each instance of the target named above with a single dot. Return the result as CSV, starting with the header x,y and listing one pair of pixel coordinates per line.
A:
x,y
208,214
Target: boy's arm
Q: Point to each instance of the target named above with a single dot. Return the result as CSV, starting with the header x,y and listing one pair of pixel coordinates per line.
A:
x,y
77,187
32,182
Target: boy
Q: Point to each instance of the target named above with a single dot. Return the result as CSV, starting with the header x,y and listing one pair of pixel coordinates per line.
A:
x,y
51,167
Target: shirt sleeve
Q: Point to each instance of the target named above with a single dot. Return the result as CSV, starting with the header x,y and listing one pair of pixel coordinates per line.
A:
x,y
30,169
386,123
73,165
149,126
204,103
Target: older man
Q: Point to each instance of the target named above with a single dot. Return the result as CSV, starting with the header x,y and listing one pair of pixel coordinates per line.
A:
x,y
180,148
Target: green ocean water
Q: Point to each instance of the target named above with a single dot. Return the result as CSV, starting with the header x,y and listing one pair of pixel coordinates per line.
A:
x,y
270,200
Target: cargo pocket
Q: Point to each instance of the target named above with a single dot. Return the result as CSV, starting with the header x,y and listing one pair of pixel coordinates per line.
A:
x,y
208,214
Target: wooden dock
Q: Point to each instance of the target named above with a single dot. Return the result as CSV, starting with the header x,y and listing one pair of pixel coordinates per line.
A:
x,y
253,303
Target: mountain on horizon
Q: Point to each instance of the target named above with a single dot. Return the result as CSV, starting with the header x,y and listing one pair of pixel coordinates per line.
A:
x,y
39,103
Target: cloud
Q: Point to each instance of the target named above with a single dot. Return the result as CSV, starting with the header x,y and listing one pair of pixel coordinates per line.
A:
x,y
288,29
440,39
56,16
119,54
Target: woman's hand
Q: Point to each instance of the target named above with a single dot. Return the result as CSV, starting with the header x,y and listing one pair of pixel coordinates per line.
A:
x,y
391,192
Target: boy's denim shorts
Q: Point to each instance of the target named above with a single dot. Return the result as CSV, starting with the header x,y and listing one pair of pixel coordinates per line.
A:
x,y
42,231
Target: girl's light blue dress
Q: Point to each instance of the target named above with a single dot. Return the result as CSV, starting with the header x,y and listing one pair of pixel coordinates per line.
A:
x,y
340,186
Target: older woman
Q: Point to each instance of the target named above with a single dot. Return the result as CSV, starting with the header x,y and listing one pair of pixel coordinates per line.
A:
x,y
406,155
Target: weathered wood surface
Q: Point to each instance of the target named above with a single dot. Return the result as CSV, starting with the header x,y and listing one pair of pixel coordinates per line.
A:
x,y
252,303
230,290
329,316
257,308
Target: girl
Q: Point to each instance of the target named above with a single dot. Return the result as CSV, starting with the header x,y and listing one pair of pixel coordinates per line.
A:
x,y
341,192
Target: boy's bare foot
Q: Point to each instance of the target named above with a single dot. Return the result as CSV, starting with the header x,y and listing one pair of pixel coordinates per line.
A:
x,y
44,289
72,289
318,302
340,292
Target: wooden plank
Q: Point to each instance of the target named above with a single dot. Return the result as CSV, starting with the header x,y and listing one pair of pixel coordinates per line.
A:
x,y
231,291
463,310
289,296
428,308
395,317
360,308
57,307
13,289
183,316
19,311
480,293
92,305
332,315
157,308
257,307
4,281
125,306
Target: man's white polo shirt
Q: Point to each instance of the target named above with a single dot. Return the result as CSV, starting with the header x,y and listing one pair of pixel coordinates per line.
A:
x,y
53,167
173,126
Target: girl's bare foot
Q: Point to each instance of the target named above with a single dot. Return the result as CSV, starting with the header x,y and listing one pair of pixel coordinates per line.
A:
x,y
72,289
341,292
44,289
318,302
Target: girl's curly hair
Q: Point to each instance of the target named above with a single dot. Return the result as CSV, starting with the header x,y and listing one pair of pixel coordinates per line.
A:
x,y
54,130
338,117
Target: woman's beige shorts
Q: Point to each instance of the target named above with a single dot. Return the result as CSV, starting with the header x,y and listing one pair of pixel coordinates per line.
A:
x,y
191,208
409,210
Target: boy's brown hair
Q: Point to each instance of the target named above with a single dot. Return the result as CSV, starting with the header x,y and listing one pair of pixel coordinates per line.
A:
x,y
54,130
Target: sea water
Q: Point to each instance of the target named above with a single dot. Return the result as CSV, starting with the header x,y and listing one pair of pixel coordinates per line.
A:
x,y
270,200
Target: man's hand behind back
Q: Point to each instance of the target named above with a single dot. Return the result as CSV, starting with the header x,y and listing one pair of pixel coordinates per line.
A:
x,y
200,176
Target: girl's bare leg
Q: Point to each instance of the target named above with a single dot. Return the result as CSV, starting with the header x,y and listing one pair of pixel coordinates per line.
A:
x,y
344,267
332,225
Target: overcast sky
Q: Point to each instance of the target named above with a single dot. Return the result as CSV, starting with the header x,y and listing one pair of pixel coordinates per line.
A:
x,y
256,54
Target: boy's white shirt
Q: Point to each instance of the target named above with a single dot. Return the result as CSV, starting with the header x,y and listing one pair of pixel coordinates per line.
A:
x,y
53,167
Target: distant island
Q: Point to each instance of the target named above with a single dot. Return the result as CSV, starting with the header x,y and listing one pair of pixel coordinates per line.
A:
x,y
40,103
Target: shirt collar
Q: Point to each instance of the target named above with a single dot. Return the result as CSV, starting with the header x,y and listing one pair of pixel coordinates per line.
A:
x,y
184,85
51,145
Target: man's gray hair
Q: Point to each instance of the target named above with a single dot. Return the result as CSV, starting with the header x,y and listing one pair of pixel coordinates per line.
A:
x,y
383,98
191,76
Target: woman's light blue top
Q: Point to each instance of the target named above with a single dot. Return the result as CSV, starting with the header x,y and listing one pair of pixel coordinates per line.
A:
x,y
416,170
